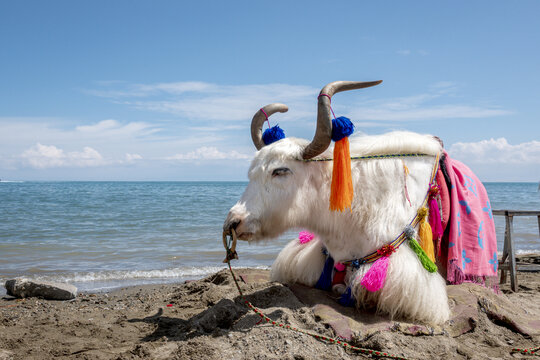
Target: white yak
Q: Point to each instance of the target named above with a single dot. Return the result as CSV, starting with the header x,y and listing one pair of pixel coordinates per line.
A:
x,y
286,191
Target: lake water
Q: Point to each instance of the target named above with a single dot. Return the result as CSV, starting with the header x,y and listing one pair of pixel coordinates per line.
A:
x,y
102,235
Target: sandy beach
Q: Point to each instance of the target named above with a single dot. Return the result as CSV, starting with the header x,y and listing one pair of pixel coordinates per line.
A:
x,y
206,319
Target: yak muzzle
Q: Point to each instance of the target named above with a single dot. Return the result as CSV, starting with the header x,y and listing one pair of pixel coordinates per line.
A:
x,y
238,224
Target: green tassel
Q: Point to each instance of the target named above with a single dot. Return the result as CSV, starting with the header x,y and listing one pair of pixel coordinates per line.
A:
x,y
424,259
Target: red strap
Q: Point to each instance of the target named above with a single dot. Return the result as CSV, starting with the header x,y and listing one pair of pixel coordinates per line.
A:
x,y
329,98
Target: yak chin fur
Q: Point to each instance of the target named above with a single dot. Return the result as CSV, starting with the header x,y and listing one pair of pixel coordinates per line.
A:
x,y
298,197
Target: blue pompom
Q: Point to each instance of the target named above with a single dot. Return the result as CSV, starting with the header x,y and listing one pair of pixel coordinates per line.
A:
x,y
325,280
273,134
341,127
347,298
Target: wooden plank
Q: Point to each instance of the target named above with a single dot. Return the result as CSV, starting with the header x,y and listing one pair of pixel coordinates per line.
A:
x,y
521,267
523,212
516,212
529,268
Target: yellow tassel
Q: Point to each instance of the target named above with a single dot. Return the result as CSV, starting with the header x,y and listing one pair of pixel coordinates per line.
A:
x,y
405,168
425,235
341,192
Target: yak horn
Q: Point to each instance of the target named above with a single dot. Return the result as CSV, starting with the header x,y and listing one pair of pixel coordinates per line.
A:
x,y
258,120
323,134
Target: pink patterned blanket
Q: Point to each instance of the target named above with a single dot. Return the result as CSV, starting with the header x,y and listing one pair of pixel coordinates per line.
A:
x,y
470,236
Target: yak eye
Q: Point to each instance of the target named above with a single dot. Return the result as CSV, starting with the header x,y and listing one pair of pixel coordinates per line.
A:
x,y
281,171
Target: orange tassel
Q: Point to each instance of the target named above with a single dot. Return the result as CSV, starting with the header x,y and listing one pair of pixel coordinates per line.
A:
x,y
425,234
341,192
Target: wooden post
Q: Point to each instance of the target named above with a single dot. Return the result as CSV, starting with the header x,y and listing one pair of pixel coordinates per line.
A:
x,y
508,247
502,267
511,251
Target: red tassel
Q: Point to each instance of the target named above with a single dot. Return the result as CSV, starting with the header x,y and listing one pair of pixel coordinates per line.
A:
x,y
339,274
341,192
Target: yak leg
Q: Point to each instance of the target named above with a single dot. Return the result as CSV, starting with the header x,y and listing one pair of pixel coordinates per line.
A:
x,y
299,263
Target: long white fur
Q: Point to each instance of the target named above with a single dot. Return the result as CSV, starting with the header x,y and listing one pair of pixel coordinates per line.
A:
x,y
299,263
271,205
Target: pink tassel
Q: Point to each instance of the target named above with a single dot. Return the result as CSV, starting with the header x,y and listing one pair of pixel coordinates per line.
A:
x,y
375,277
305,236
435,223
435,218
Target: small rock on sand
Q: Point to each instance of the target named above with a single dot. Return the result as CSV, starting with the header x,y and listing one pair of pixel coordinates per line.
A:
x,y
222,315
23,288
6,355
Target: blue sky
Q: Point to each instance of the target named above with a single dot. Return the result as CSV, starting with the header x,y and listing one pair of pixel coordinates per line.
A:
x,y
165,90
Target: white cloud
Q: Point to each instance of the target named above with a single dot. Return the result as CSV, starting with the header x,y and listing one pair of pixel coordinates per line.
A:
x,y
100,126
207,117
232,103
444,88
421,107
130,158
209,153
407,52
217,128
208,101
146,90
49,156
392,111
236,103
113,128
404,52
28,142
497,151
15,131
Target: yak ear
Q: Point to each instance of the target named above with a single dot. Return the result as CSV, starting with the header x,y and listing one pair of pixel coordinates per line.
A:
x,y
439,140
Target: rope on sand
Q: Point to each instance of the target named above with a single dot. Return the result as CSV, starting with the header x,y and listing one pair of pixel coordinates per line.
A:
x,y
230,247
231,254
530,351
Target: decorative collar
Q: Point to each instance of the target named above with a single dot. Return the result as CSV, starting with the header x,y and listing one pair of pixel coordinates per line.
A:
x,y
407,233
368,157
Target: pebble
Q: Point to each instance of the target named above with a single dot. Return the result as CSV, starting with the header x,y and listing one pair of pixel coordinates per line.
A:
x,y
221,315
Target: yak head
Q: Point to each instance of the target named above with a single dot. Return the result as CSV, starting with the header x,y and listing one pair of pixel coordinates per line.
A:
x,y
284,187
